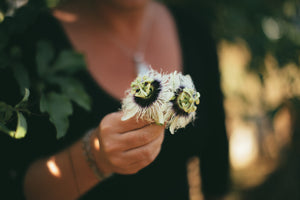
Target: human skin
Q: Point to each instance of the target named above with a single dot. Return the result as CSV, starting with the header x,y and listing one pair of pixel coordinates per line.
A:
x,y
125,147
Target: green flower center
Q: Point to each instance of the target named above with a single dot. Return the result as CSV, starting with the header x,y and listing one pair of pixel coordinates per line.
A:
x,y
142,87
188,99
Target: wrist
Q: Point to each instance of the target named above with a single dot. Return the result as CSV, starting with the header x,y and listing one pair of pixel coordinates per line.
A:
x,y
94,158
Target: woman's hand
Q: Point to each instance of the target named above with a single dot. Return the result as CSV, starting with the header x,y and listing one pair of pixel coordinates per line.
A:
x,y
127,146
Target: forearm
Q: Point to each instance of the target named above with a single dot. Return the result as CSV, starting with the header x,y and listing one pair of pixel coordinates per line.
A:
x,y
125,148
65,175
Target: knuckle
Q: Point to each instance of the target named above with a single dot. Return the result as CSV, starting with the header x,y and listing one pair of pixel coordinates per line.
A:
x,y
104,128
109,147
105,120
107,124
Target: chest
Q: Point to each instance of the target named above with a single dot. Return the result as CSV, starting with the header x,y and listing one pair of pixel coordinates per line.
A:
x,y
112,67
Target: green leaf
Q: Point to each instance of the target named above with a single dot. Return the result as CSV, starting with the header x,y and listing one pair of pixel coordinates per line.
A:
x,y
26,95
21,127
69,62
74,90
44,55
23,102
22,77
59,108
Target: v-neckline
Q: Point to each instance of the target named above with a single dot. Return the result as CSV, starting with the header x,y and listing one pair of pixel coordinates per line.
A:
x,y
88,73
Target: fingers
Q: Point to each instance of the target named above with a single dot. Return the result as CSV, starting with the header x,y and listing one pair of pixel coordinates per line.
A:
x,y
113,143
113,122
128,146
141,137
136,159
145,154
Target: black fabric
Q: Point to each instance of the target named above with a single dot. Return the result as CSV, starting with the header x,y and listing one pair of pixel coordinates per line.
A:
x,y
166,177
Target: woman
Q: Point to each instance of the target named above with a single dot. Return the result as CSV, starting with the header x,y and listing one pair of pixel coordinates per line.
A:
x,y
128,159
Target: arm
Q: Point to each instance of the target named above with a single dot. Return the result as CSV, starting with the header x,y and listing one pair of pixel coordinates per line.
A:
x,y
125,147
64,175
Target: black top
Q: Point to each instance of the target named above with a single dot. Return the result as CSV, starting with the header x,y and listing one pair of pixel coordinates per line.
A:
x,y
166,177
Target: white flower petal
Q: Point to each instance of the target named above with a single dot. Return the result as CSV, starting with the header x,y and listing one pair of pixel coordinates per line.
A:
x,y
129,114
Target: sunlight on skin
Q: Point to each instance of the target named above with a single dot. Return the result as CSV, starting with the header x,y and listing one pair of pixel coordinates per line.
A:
x,y
96,144
65,16
53,168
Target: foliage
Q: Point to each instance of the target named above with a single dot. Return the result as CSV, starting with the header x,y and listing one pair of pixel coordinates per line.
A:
x,y
54,85
7,112
59,73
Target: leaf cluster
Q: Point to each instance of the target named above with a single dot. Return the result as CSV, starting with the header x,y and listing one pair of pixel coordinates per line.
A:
x,y
55,86
7,112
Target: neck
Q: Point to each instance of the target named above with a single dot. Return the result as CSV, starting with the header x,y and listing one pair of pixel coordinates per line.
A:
x,y
128,25
114,16
127,22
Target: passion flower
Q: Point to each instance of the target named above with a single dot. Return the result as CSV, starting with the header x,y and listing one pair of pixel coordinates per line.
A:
x,y
169,99
148,97
181,109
